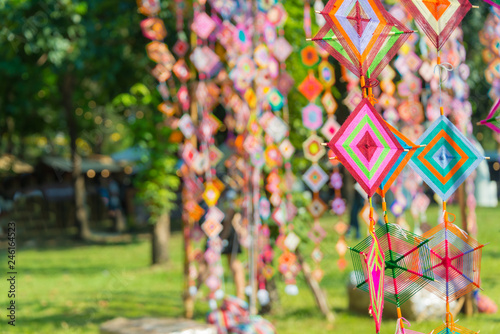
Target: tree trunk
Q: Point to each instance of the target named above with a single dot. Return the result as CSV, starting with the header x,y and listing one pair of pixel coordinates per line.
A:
x,y
82,222
10,135
161,236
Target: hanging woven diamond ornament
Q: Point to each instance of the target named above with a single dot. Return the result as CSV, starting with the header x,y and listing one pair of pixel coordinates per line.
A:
x,y
315,178
366,146
437,18
361,35
447,159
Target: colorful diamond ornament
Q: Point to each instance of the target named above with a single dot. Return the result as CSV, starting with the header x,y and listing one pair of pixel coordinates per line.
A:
x,y
313,150
447,158
361,35
315,178
312,117
366,146
437,18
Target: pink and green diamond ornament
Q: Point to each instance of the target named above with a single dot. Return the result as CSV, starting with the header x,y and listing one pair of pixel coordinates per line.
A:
x,y
366,146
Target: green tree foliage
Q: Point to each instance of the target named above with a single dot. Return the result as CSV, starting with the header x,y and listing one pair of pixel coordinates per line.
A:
x,y
157,181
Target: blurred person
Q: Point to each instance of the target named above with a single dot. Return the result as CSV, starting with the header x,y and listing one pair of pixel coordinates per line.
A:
x,y
110,194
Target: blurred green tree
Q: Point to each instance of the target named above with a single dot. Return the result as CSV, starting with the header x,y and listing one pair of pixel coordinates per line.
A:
x,y
68,58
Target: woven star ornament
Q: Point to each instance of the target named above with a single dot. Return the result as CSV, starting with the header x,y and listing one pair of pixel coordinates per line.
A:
x,y
447,158
361,35
456,261
366,146
407,263
437,18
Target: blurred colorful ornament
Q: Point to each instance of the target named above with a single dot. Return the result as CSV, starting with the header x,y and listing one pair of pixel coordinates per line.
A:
x,y
310,87
202,25
309,56
326,73
153,28
286,149
338,206
313,150
149,7
329,103
330,128
161,73
315,178
282,49
159,53
275,99
181,70
312,117
317,208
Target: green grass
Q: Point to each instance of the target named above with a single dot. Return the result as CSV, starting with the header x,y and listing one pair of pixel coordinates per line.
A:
x,y
74,290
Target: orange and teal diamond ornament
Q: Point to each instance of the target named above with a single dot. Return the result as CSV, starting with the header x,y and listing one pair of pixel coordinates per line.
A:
x,y
315,178
312,116
313,148
310,87
361,35
493,119
366,146
397,168
437,18
447,158
407,263
309,56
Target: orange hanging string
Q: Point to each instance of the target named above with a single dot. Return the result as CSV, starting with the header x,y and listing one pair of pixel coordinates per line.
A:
x,y
363,86
400,317
384,208
445,214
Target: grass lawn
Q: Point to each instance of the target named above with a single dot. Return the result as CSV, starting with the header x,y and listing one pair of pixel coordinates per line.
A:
x,y
74,290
